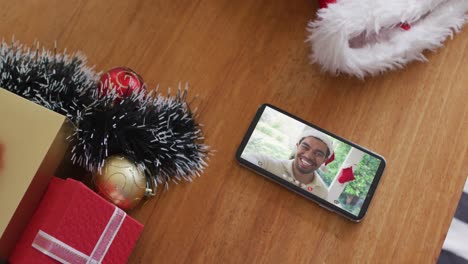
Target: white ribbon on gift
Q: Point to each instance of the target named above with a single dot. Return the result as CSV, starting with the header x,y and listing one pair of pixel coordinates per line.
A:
x,y
63,253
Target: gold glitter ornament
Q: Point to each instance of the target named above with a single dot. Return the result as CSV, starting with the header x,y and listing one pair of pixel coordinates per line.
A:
x,y
121,182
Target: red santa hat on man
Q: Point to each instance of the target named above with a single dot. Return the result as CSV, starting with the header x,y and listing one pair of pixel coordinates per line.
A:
x,y
310,132
367,37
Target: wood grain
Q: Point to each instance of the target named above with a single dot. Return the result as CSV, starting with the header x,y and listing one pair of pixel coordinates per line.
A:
x,y
237,55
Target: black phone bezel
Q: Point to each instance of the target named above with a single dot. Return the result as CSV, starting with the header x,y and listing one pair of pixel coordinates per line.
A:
x,y
300,191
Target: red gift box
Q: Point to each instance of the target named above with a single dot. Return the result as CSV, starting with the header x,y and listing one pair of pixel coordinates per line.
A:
x,y
75,225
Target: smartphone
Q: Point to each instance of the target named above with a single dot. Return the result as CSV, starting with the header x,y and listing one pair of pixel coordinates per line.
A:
x,y
336,173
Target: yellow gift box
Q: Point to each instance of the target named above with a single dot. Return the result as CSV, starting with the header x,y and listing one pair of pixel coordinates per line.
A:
x,y
32,146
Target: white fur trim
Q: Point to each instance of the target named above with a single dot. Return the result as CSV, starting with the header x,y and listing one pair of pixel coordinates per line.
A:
x,y
384,46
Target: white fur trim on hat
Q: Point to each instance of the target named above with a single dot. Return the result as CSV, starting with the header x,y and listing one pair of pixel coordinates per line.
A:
x,y
310,132
379,42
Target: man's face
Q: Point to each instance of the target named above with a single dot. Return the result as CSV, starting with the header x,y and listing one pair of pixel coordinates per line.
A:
x,y
310,155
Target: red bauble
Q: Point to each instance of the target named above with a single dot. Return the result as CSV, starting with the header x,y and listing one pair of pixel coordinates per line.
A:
x,y
121,79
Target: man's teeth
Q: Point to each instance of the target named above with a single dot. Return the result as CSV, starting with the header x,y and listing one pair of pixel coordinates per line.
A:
x,y
305,162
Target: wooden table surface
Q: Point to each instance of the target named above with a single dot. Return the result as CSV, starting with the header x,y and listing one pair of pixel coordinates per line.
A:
x,y
236,55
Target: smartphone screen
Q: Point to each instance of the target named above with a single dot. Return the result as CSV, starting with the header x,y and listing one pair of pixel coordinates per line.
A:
x,y
336,173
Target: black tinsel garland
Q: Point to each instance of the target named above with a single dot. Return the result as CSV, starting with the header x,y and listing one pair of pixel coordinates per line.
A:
x,y
159,133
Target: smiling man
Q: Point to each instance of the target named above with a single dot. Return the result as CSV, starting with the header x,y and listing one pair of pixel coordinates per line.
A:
x,y
312,150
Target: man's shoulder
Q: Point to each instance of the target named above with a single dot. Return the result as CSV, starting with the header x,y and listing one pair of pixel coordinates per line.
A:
x,y
319,181
320,187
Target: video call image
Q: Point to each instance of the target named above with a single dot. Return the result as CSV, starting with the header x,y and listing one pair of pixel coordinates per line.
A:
x,y
318,163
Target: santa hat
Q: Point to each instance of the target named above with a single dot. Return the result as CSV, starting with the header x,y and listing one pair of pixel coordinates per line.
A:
x,y
367,37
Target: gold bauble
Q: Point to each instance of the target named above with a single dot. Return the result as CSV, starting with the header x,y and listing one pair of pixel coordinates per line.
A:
x,y
121,181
